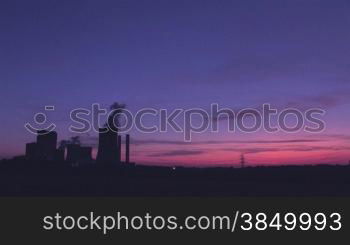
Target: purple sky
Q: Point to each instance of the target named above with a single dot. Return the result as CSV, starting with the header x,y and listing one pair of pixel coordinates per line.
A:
x,y
168,54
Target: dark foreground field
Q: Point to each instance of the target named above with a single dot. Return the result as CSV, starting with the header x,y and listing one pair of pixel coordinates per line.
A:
x,y
44,179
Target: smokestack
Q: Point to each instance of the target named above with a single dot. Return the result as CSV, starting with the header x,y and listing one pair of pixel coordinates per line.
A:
x,y
127,148
119,148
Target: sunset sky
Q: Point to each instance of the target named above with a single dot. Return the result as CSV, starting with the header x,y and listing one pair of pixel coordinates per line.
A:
x,y
180,54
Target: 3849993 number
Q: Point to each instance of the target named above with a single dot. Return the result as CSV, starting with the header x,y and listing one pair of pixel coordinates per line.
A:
x,y
291,221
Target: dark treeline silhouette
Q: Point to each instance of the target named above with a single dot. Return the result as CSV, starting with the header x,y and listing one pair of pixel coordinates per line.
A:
x,y
20,177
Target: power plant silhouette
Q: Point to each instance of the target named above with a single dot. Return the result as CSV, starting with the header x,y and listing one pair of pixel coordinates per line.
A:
x,y
109,149
109,146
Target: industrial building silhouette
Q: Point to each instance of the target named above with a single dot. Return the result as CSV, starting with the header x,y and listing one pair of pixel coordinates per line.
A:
x,y
109,149
44,148
109,145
